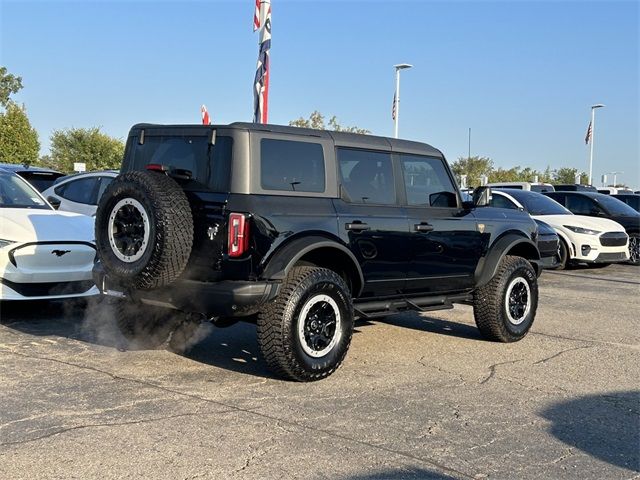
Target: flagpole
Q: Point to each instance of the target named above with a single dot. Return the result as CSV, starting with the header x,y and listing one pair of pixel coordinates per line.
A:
x,y
593,134
398,67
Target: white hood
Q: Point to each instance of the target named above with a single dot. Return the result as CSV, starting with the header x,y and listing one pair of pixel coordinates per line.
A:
x,y
592,223
39,225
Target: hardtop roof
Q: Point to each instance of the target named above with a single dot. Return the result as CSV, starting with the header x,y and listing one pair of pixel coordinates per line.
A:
x,y
341,139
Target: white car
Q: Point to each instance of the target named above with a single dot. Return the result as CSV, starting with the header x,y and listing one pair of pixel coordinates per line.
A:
x,y
582,239
44,254
79,193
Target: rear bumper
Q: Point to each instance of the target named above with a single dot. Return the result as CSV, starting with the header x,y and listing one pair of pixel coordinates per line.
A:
x,y
227,298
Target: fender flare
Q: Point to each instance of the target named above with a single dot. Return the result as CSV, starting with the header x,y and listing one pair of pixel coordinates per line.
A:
x,y
280,263
487,269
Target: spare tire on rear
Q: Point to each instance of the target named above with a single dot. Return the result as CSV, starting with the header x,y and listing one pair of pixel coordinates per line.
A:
x,y
144,230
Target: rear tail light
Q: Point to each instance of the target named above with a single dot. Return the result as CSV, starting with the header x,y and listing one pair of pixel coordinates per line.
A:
x,y
238,242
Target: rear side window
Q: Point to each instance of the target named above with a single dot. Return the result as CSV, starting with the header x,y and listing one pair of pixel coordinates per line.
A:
x,y
427,182
79,191
367,177
581,205
291,166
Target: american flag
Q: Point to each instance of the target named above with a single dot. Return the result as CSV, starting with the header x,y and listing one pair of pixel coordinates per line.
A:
x,y
393,109
205,115
262,22
587,138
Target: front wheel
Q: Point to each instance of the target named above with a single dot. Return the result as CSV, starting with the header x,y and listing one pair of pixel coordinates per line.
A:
x,y
634,248
563,255
304,334
504,309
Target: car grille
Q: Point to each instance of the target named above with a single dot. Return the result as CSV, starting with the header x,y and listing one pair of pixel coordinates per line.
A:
x,y
48,289
611,257
613,239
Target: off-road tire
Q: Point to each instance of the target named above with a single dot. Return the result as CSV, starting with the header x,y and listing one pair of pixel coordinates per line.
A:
x,y
170,230
146,327
278,323
490,303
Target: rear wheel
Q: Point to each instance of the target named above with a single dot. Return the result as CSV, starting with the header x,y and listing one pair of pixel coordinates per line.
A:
x,y
504,309
304,334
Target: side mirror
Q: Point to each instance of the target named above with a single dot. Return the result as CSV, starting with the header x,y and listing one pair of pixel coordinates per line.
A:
x,y
55,202
481,196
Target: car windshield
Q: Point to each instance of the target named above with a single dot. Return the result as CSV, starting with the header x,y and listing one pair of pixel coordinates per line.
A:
x,y
615,206
17,193
538,204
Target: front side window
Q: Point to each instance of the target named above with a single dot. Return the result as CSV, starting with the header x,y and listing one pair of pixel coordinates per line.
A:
x,y
17,193
367,177
427,183
79,191
291,166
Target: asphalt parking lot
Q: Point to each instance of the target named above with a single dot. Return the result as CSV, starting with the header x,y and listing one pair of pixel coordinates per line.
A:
x,y
420,396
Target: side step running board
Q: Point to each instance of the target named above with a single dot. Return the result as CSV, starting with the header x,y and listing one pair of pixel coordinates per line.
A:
x,y
380,308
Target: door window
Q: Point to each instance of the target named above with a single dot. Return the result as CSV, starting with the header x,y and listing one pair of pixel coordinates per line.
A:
x,y
79,191
367,177
581,205
291,166
427,183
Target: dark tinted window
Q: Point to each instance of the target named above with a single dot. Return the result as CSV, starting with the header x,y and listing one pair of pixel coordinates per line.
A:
x,y
615,206
209,164
632,200
41,180
80,191
515,187
292,166
427,182
581,205
367,177
542,188
500,201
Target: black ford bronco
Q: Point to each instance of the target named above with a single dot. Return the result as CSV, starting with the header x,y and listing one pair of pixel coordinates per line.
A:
x,y
302,231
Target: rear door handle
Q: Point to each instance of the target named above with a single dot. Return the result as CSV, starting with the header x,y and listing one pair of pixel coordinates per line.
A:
x,y
356,226
423,227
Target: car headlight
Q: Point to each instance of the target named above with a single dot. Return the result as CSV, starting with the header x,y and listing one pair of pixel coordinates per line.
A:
x,y
585,231
4,243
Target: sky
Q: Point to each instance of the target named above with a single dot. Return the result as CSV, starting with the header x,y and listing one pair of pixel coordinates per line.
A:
x,y
521,75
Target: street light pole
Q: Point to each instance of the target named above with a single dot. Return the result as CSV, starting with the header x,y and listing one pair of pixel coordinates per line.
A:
x,y
593,134
400,66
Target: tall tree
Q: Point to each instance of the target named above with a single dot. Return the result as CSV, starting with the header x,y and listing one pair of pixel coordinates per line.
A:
x,y
568,175
97,150
316,120
9,84
18,139
473,168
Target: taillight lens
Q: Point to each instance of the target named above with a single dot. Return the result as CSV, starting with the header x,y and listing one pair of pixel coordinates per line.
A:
x,y
238,242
